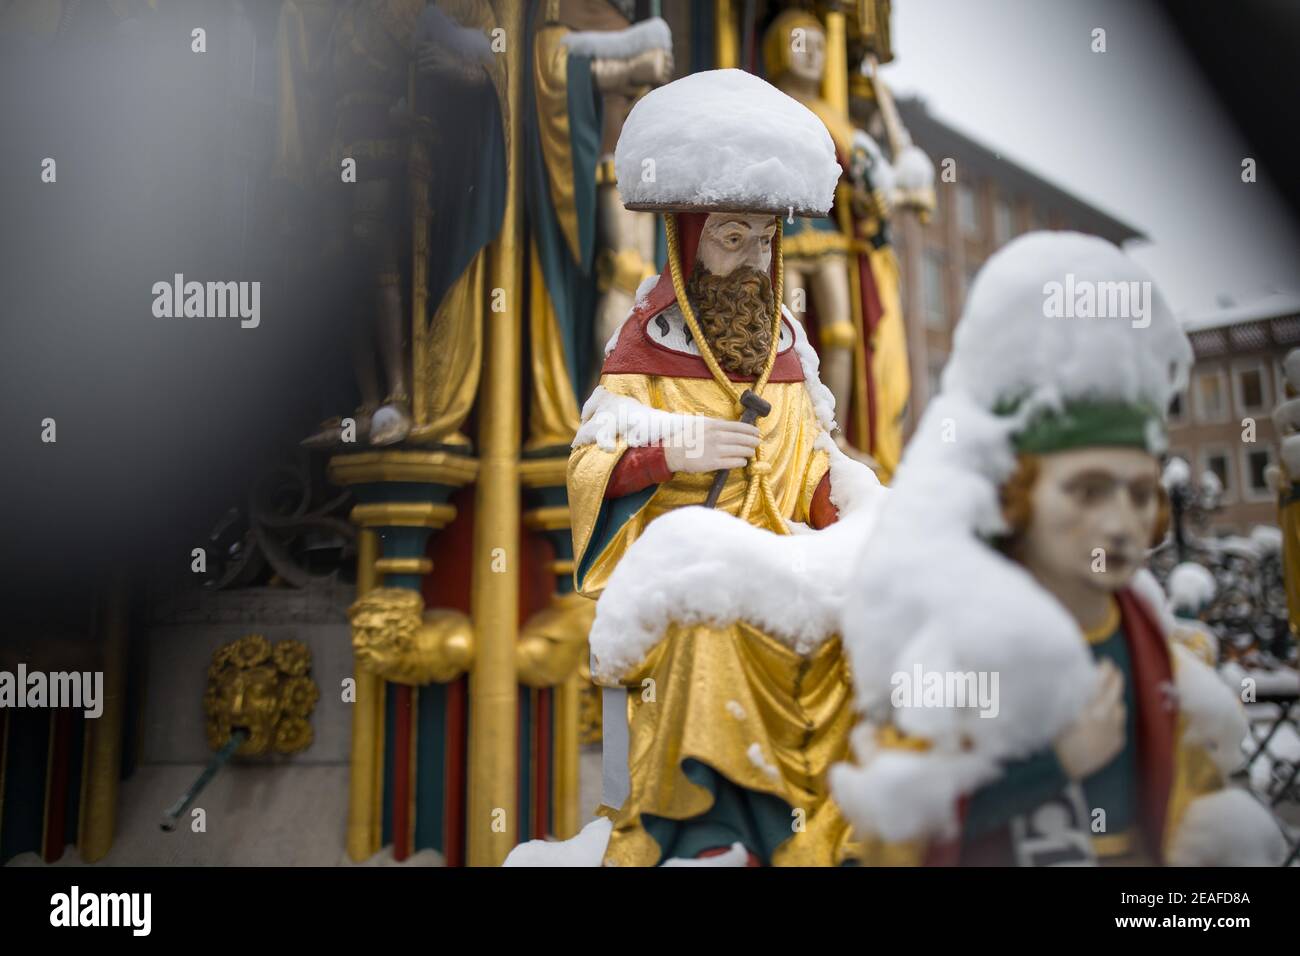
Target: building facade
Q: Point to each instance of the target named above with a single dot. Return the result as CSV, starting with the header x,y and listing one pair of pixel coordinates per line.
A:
x,y
1223,422
981,204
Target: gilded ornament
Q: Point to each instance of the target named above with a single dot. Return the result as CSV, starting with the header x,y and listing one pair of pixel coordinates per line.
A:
x,y
264,690
395,637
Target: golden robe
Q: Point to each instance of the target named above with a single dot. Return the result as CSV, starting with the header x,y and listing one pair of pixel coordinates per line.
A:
x,y
732,698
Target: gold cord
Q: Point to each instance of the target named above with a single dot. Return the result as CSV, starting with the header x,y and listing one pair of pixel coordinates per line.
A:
x,y
758,487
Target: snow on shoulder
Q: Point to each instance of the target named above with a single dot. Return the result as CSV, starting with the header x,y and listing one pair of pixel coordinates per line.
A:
x,y
700,566
726,140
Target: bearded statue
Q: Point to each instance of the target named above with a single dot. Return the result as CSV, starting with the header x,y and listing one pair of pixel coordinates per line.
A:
x,y
709,393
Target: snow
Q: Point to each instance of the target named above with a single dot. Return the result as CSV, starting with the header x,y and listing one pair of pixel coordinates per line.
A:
x,y
1215,718
1291,367
651,34
1283,680
913,169
736,855
697,565
905,794
1176,473
1006,348
1271,306
643,290
1191,587
929,590
757,758
607,418
1227,828
585,849
725,139
1266,539
823,399
883,176
1282,753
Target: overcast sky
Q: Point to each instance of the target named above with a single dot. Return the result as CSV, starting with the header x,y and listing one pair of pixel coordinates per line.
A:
x,y
1135,130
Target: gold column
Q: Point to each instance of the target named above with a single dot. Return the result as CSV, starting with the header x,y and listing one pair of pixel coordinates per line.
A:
x,y
493,692
98,817
726,43
835,79
567,811
364,798
835,90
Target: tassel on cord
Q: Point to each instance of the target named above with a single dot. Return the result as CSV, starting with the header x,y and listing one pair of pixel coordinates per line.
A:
x,y
758,487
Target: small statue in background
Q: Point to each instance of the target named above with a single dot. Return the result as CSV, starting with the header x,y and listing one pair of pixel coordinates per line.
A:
x,y
587,254
841,278
366,90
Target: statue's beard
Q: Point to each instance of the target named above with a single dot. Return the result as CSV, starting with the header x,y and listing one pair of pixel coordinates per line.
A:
x,y
735,313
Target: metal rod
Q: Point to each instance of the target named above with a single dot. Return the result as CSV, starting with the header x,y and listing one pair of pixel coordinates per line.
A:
x,y
219,760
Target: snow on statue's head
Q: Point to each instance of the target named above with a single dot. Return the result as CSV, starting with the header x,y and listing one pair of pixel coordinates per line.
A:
x,y
738,154
1068,336
725,141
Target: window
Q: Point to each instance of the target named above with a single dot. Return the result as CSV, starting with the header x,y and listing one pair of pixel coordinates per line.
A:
x,y
936,303
1218,461
968,212
1002,226
968,280
1252,394
1255,460
1176,410
1211,394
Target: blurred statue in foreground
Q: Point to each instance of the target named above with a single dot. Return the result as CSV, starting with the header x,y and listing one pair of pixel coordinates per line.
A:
x,y
1014,662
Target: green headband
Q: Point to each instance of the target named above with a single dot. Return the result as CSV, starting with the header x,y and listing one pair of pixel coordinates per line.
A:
x,y
1090,424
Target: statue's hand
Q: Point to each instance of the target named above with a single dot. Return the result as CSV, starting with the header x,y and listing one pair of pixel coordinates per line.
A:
x,y
714,443
1097,737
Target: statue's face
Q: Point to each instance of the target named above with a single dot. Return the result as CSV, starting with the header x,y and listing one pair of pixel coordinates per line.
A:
x,y
732,240
1094,511
807,53
249,698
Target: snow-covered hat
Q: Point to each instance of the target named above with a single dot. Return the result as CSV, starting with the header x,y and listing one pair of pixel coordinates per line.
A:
x,y
725,141
1067,331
